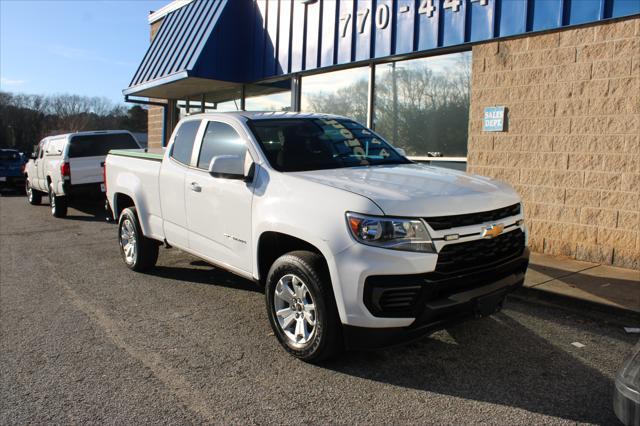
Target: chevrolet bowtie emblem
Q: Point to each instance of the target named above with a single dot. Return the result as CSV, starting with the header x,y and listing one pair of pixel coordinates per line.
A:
x,y
492,231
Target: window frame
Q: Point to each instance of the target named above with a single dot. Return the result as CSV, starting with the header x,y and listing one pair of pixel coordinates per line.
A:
x,y
41,146
196,141
204,133
238,127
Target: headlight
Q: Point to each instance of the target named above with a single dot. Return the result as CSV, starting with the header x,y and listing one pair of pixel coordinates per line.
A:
x,y
390,233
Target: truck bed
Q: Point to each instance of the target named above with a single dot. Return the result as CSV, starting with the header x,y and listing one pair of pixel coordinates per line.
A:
x,y
136,175
153,156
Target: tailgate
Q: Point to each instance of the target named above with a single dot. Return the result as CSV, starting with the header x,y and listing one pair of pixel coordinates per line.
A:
x,y
86,169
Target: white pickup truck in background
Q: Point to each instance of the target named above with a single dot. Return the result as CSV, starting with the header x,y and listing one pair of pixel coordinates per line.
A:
x,y
71,165
355,244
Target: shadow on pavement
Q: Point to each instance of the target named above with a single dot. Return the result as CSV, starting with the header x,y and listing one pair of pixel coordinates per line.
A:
x,y
94,211
495,360
12,193
205,274
621,290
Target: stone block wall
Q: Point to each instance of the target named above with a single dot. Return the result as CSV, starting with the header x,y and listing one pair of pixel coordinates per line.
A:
x,y
155,121
572,145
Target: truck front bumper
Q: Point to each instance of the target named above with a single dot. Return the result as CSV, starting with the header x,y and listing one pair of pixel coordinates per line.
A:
x,y
437,303
384,296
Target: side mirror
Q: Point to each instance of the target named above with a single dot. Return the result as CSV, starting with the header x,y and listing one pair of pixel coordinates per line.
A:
x,y
232,167
33,156
400,151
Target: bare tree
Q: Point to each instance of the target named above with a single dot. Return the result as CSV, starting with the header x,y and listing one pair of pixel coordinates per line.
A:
x,y
25,119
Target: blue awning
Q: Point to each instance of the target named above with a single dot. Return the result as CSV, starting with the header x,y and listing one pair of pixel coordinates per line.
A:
x,y
188,40
213,46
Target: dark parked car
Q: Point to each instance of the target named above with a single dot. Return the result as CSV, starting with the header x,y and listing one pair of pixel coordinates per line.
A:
x,y
11,169
626,398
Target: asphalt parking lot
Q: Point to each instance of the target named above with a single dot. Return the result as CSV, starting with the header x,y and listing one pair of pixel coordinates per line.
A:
x,y
86,340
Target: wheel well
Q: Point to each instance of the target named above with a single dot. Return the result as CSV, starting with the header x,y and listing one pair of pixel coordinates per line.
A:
x,y
272,245
122,201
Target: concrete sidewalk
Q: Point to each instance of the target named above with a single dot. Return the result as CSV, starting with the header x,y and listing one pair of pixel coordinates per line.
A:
x,y
600,284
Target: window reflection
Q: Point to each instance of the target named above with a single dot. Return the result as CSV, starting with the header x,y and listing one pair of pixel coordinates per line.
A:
x,y
422,105
225,100
272,96
340,92
219,101
232,105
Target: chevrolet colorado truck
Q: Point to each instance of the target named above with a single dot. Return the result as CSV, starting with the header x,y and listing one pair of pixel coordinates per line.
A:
x,y
356,245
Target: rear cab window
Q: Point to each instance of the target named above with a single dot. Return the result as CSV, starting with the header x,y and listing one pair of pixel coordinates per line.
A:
x,y
184,140
100,144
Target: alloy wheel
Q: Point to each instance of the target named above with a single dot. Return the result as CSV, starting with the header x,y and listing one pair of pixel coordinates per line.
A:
x,y
128,241
52,201
295,310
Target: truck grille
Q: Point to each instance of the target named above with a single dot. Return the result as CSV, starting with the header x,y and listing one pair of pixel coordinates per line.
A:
x,y
460,267
447,222
480,253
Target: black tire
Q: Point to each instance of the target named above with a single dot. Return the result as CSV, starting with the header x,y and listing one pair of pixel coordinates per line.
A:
x,y
146,249
58,204
326,338
33,197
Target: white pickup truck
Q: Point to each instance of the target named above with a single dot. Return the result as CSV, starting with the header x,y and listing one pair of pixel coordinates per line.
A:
x,y
356,245
71,165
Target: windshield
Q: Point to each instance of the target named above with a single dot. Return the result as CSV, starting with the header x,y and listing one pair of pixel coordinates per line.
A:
x,y
301,144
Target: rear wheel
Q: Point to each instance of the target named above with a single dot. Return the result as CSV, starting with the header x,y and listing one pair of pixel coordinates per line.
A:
x,y
34,197
138,252
58,204
301,307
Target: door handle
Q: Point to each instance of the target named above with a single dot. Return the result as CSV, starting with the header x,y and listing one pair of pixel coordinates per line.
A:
x,y
195,187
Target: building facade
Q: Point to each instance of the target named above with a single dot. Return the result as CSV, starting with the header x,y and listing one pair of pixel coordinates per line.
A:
x,y
544,94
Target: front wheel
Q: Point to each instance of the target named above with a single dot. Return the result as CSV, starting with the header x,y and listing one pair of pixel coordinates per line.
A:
x,y
138,252
58,204
301,307
34,197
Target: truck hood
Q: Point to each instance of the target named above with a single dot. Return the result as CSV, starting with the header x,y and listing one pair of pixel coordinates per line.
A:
x,y
418,190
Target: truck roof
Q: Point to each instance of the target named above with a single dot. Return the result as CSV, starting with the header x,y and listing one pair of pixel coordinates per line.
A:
x,y
264,115
86,133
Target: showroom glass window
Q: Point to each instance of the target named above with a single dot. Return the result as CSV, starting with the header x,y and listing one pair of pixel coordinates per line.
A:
x,y
271,96
422,105
340,92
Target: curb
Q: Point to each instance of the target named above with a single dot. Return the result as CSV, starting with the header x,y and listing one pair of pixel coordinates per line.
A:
x,y
622,316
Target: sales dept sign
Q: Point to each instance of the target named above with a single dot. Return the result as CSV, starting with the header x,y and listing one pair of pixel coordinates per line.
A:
x,y
493,119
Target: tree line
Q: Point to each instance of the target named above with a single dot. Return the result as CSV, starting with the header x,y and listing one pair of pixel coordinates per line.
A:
x,y
26,119
423,109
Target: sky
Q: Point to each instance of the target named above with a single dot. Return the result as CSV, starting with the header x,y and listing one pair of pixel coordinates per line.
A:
x,y
84,47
